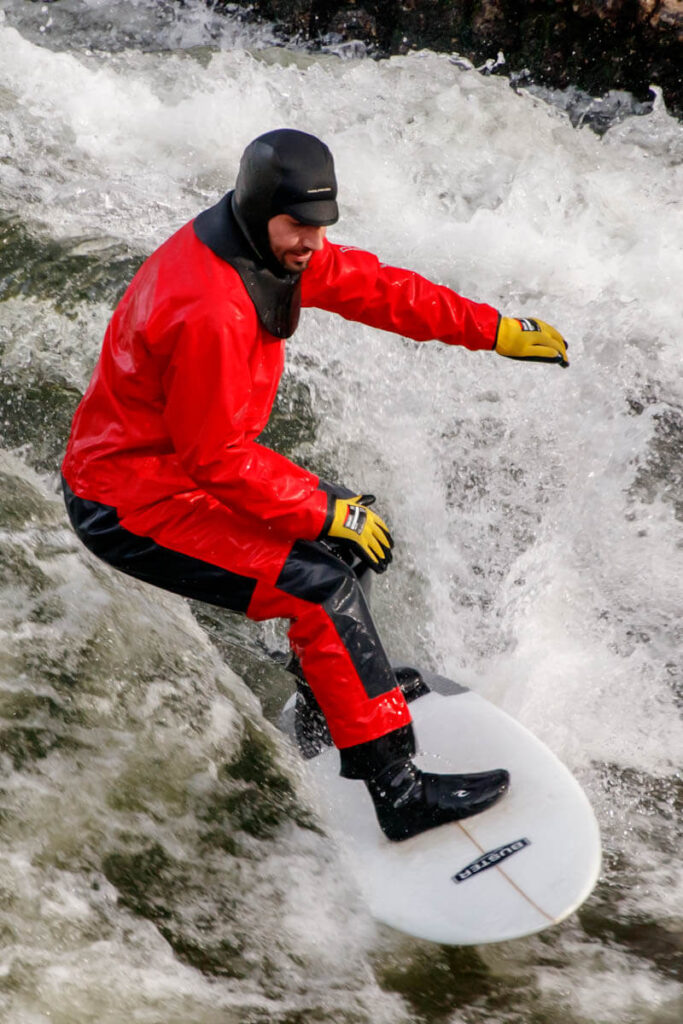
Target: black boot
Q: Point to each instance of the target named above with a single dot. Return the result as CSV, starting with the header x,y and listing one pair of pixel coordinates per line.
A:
x,y
310,727
408,801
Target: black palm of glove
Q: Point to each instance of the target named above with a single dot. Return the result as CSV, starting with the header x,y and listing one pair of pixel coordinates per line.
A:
x,y
353,522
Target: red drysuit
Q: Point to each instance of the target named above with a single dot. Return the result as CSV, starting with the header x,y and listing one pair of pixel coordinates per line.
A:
x,y
166,433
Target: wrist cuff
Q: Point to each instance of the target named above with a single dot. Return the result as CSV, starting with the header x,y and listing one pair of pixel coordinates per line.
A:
x,y
329,517
495,337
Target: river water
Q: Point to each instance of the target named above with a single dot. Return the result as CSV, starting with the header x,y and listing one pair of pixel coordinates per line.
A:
x,y
161,860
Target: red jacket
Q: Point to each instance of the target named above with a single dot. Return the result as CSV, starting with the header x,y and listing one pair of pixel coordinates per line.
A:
x,y
187,377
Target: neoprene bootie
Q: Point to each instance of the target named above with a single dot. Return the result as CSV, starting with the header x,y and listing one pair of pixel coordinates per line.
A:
x,y
408,801
310,728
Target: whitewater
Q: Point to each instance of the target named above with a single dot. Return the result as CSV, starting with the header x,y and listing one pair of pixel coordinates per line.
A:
x,y
161,858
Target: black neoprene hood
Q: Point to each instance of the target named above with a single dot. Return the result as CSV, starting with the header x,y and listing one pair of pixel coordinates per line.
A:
x,y
284,171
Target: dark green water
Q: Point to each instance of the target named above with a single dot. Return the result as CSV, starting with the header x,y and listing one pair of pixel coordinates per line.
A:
x,y
161,859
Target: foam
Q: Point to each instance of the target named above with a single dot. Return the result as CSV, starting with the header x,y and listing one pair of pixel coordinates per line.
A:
x,y
536,555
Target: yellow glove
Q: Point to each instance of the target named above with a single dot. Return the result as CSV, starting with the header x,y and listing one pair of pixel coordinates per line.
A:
x,y
352,521
523,338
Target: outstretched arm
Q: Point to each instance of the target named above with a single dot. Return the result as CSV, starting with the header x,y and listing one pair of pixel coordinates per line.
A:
x,y
356,285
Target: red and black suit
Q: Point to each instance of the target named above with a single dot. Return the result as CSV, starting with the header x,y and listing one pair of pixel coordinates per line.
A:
x,y
165,478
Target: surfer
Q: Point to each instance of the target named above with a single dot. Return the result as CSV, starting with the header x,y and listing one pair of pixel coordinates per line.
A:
x,y
164,477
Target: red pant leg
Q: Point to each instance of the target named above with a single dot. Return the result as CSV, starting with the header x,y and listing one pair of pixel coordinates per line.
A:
x,y
353,715
332,631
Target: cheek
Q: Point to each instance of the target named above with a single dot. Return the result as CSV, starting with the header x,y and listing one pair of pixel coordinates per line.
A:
x,y
283,241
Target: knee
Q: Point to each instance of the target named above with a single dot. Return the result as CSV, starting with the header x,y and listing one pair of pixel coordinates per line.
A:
x,y
313,573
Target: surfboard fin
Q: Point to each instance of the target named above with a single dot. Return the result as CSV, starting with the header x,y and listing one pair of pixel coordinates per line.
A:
x,y
409,801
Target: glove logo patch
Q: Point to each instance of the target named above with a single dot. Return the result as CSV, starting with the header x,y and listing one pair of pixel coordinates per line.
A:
x,y
355,519
527,324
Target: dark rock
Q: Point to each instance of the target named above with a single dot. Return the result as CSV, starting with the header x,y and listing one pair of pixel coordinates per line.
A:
x,y
597,45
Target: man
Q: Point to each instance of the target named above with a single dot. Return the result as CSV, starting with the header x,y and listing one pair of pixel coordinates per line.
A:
x,y
164,477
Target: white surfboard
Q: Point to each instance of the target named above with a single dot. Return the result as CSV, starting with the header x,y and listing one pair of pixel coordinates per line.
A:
x,y
520,867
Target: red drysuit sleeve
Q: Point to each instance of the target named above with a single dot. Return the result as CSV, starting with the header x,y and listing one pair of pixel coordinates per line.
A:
x,y
213,391
356,285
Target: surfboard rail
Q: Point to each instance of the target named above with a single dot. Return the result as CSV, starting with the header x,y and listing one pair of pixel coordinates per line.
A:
x,y
520,867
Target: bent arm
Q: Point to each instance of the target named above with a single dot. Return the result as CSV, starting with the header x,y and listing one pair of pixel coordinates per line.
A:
x,y
208,389
356,285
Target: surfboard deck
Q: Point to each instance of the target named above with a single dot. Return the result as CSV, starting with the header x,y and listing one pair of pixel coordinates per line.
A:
x,y
514,870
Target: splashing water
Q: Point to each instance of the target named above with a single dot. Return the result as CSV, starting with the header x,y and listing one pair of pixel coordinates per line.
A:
x,y
160,858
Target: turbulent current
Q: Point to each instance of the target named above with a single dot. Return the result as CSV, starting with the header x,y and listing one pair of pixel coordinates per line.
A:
x,y
161,860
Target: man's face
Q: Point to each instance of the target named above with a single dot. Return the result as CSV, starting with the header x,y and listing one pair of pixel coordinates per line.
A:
x,y
294,243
